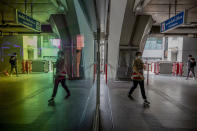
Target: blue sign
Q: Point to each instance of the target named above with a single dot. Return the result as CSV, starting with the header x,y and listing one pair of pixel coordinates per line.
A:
x,y
173,22
28,21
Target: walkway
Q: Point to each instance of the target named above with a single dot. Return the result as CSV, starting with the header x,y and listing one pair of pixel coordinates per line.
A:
x,y
24,105
173,106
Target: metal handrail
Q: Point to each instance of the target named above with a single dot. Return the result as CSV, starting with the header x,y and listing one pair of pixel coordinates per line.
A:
x,y
96,122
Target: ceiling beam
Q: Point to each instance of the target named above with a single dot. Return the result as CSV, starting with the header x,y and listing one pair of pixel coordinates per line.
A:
x,y
129,47
171,4
161,12
30,3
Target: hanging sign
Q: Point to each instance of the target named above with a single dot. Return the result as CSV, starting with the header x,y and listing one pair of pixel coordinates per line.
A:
x,y
173,22
27,21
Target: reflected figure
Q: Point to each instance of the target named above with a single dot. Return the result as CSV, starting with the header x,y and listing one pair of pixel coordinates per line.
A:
x,y
60,76
13,62
52,103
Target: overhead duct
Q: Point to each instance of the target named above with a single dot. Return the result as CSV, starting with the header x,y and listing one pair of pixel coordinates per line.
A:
x,y
143,26
139,5
59,26
61,5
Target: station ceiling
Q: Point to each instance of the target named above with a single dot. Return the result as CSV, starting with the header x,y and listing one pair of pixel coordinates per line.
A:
x,y
161,10
40,10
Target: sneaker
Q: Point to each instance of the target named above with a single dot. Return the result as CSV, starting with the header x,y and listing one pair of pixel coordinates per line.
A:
x,y
146,102
130,96
67,96
50,100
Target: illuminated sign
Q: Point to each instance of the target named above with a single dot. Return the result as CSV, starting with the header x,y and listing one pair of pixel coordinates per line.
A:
x,y
28,21
80,42
173,22
30,40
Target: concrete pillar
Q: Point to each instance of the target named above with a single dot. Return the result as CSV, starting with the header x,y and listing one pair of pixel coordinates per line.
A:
x,y
88,50
116,20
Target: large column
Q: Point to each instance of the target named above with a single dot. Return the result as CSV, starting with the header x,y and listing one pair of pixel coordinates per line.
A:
x,y
116,20
88,50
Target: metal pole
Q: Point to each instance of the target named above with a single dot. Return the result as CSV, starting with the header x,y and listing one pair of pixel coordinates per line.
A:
x,y
106,37
106,73
175,4
96,123
98,67
95,56
169,10
98,52
148,75
25,6
32,10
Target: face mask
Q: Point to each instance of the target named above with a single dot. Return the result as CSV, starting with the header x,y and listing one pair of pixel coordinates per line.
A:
x,y
140,57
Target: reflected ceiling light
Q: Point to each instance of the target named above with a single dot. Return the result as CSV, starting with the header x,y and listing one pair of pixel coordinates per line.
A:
x,y
56,42
30,40
61,8
139,8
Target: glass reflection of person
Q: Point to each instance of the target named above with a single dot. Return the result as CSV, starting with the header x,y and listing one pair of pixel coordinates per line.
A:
x,y
13,62
60,76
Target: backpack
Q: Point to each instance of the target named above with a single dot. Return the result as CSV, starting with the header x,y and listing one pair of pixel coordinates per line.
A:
x,y
11,61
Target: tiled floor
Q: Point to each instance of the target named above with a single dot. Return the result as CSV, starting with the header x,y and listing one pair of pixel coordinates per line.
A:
x,y
24,105
173,106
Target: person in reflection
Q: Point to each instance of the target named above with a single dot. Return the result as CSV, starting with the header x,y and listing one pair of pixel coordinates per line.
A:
x,y
60,76
13,62
138,77
191,63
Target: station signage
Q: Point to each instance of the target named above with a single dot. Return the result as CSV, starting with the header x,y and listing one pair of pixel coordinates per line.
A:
x,y
173,22
27,21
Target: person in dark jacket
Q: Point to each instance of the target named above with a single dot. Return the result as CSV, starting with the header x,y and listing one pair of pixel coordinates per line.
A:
x,y
138,77
60,77
13,62
191,65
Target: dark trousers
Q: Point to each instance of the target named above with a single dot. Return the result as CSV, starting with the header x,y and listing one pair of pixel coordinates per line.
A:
x,y
12,68
192,70
135,84
57,81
